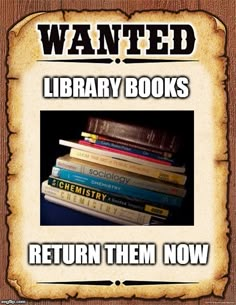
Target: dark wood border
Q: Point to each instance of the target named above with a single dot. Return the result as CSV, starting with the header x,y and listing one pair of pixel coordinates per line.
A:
x,y
13,10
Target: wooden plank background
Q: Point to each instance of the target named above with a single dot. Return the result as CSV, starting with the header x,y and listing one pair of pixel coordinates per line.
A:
x,y
11,11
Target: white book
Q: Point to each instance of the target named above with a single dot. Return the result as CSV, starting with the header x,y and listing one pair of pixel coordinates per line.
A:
x,y
87,211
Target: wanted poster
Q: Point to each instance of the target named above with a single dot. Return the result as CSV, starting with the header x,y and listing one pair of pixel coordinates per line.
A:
x,y
119,169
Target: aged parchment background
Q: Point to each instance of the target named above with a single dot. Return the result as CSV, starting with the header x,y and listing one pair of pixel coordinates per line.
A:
x,y
208,101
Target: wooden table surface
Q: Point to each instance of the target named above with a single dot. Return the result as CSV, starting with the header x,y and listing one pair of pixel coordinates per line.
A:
x,y
11,12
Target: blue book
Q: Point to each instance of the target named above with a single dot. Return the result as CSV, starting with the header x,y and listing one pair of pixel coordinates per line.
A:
x,y
116,188
131,149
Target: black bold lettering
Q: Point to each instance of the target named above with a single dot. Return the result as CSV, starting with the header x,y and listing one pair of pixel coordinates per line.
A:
x,y
179,31
112,41
154,39
54,39
81,39
134,31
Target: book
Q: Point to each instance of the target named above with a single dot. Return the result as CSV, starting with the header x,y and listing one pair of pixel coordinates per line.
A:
x,y
125,152
94,137
124,201
104,152
92,193
117,175
87,211
156,138
129,166
116,188
125,214
138,151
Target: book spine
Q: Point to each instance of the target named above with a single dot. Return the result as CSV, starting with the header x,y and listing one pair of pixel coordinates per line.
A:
x,y
91,193
145,136
116,188
90,148
141,152
95,137
129,166
125,153
101,207
111,174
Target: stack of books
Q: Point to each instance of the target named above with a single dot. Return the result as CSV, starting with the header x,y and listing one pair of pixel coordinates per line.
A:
x,y
125,173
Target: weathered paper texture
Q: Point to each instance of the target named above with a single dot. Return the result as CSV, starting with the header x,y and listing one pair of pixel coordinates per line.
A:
x,y
207,99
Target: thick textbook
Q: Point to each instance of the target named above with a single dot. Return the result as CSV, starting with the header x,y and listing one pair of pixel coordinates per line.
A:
x,y
92,193
117,175
117,188
88,147
156,138
129,166
133,216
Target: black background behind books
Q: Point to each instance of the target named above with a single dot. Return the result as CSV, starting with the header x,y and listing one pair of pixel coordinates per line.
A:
x,y
67,125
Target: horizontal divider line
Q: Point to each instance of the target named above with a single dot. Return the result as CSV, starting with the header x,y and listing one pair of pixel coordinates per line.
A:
x,y
126,283
109,60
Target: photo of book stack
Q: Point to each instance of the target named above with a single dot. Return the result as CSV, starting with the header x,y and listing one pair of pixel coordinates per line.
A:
x,y
122,172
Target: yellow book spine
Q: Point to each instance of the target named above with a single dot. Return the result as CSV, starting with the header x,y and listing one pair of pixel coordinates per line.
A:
x,y
89,135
